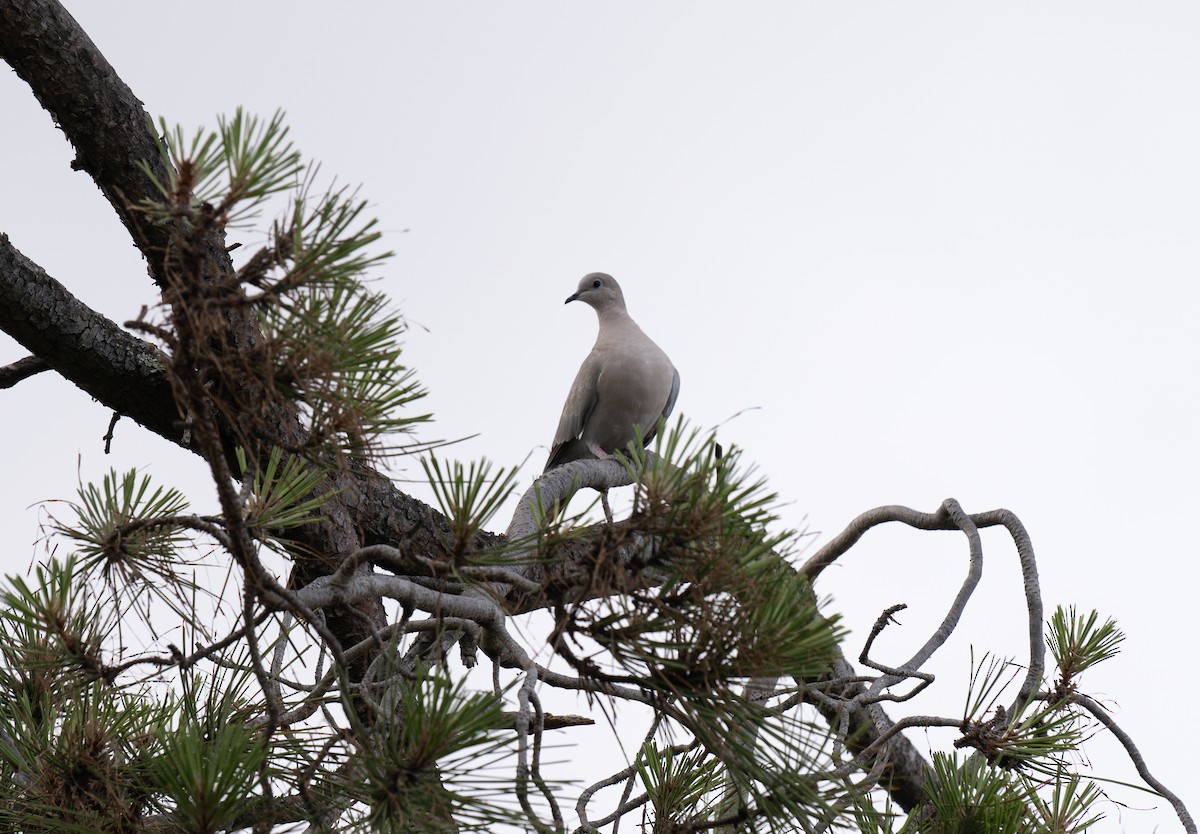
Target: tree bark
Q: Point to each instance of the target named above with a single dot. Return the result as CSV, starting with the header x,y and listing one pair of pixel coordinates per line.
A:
x,y
94,108
115,367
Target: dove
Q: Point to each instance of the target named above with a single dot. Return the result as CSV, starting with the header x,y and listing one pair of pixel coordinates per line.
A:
x,y
625,385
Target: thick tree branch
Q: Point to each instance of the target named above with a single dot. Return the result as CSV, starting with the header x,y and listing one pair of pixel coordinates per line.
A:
x,y
118,369
94,108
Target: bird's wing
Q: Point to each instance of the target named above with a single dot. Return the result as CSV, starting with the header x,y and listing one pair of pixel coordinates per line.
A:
x,y
674,395
667,409
581,402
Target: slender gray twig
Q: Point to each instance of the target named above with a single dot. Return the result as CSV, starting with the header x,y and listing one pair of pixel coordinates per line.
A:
x,y
1135,756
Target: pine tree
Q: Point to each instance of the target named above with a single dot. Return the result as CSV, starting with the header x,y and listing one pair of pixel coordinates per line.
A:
x,y
289,660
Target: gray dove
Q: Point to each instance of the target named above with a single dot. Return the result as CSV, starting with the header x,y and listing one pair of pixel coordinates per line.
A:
x,y
623,387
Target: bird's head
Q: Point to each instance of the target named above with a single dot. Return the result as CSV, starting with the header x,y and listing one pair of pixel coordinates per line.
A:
x,y
598,290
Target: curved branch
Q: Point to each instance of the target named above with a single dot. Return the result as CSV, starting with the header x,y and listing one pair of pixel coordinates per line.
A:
x,y
1033,600
951,510
556,488
947,518
1135,755
925,679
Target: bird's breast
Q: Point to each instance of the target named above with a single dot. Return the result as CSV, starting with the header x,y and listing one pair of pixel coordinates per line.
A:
x,y
631,391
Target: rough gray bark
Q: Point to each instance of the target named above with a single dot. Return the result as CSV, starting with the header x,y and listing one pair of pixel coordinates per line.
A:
x,y
115,367
100,116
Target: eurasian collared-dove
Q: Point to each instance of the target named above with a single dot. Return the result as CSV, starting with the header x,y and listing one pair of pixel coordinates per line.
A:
x,y
623,387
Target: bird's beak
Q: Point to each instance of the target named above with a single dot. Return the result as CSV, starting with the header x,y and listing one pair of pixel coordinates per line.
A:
x,y
570,298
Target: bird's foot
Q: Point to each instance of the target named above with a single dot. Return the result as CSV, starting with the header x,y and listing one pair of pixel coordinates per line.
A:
x,y
598,452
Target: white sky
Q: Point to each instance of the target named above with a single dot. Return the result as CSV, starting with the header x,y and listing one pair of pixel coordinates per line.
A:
x,y
928,249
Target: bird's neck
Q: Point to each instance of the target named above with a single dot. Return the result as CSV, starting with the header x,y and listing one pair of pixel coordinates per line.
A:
x,y
616,327
612,315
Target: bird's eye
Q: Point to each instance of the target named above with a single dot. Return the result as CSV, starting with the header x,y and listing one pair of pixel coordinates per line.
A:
x,y
597,284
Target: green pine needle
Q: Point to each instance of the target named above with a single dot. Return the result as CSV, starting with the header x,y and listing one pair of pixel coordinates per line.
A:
x,y
1080,642
469,496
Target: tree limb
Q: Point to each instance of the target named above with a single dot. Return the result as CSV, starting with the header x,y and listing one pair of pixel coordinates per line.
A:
x,y
118,369
907,770
1135,755
20,370
94,108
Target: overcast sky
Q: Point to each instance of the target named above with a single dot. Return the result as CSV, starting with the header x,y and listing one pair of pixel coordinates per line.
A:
x,y
919,250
